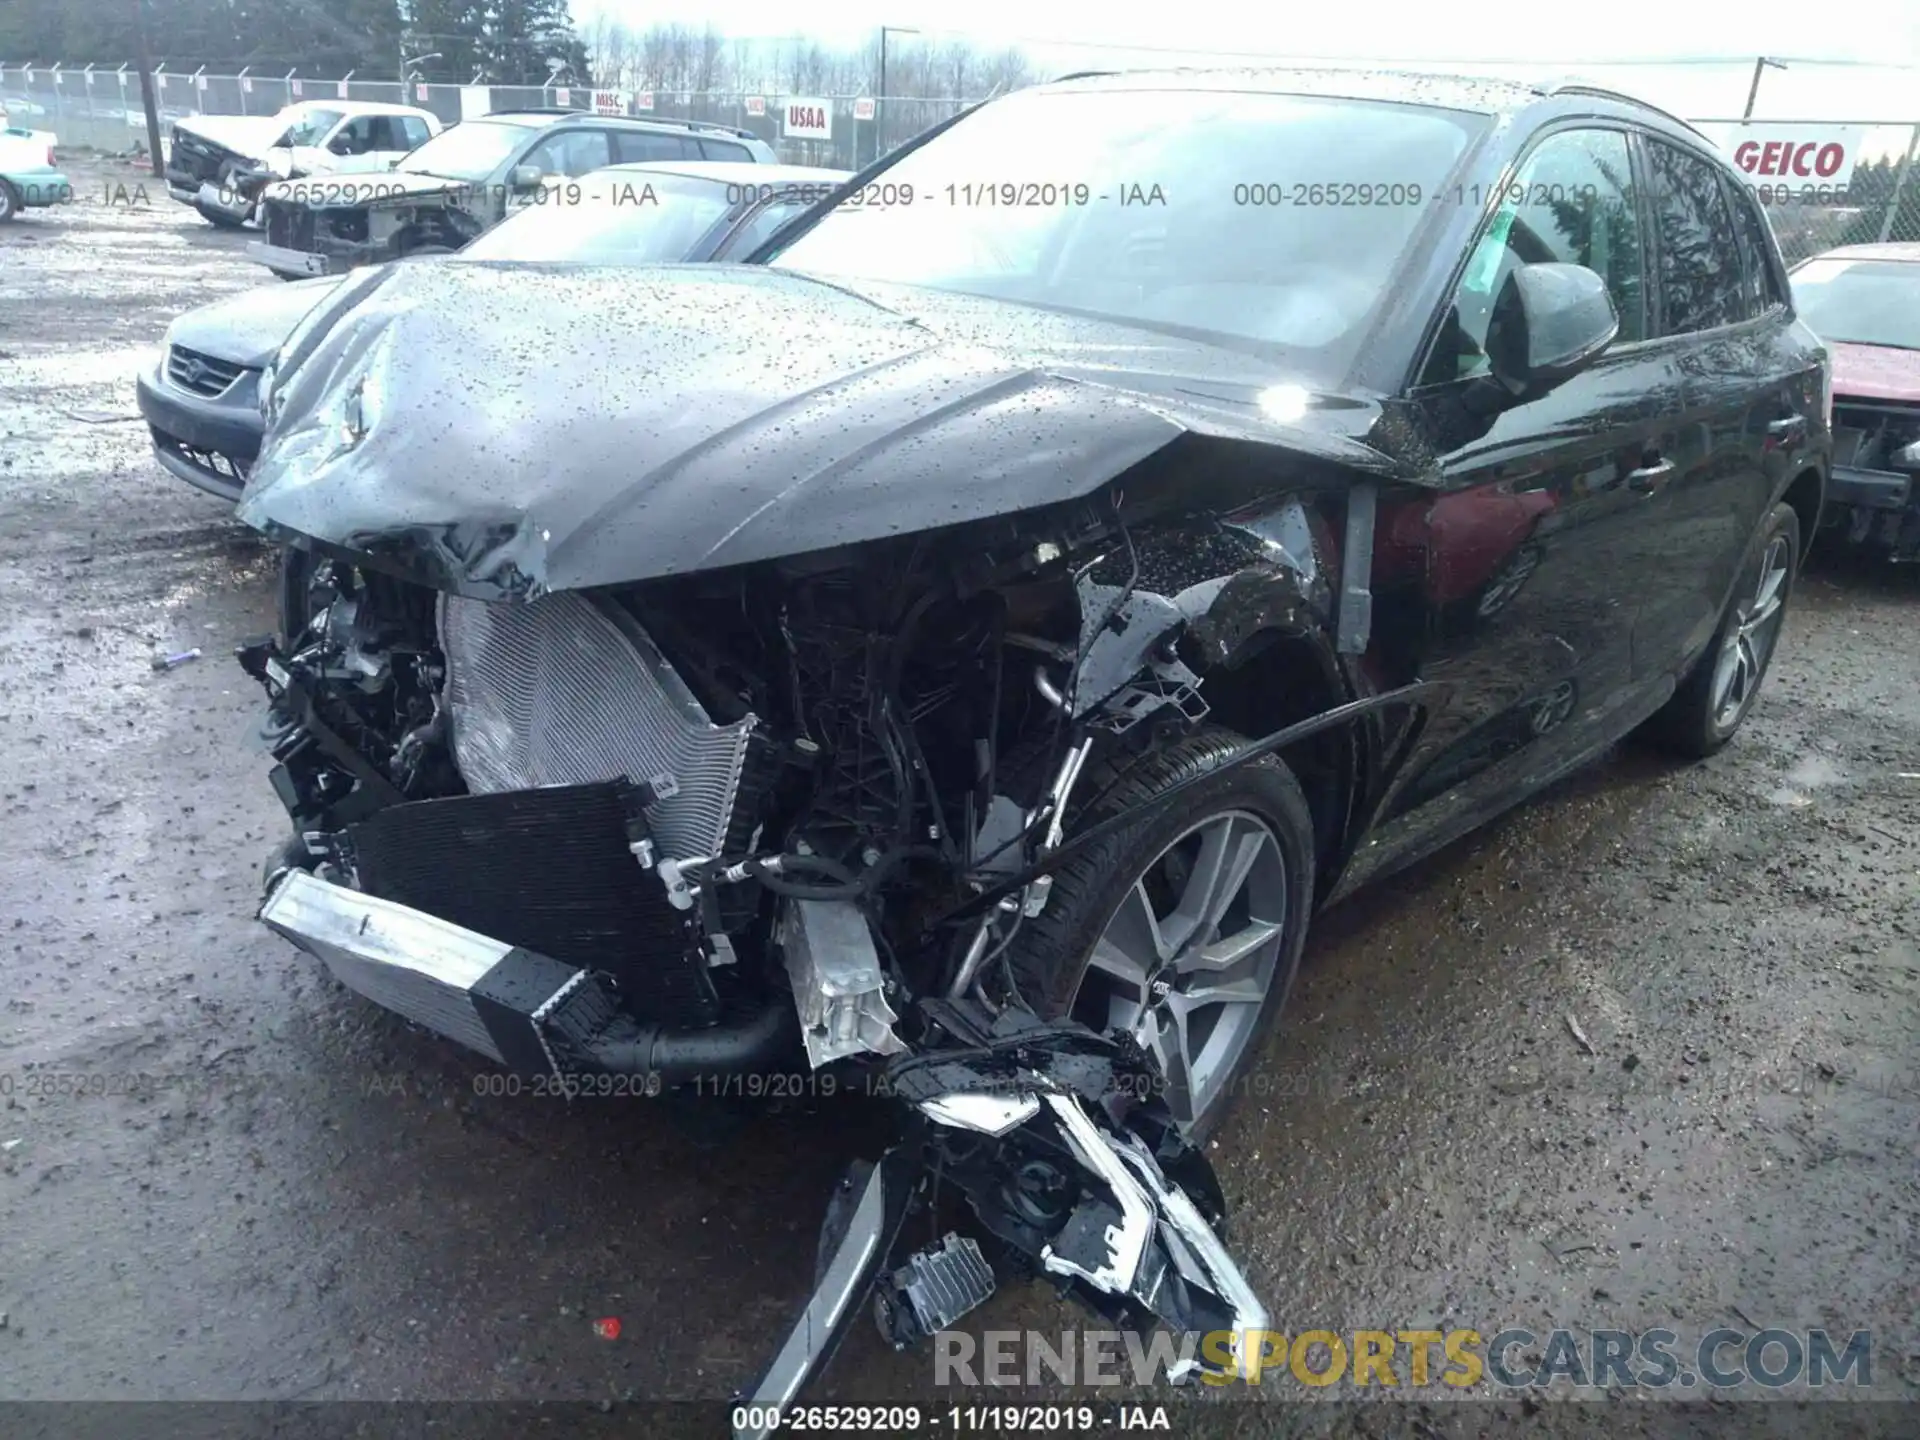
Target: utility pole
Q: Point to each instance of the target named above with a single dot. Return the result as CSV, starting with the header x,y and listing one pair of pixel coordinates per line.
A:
x,y
1753,91
880,101
146,92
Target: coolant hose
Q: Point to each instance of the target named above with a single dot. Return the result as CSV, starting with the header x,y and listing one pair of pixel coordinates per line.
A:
x,y
763,1042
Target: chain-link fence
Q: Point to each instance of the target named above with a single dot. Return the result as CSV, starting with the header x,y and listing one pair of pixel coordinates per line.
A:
x,y
1881,200
100,107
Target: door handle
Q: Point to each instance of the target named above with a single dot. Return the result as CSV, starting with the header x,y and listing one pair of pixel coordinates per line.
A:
x,y
1649,478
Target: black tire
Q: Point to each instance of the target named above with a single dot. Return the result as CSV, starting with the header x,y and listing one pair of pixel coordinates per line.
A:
x,y
1695,723
10,202
1051,954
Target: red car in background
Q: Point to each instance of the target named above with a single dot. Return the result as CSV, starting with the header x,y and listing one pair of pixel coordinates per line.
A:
x,y
1864,301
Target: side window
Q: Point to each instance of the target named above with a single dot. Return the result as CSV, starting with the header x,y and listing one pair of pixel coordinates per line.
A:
x,y
1571,201
413,132
380,133
757,228
631,146
724,150
570,153
355,137
1759,290
1700,273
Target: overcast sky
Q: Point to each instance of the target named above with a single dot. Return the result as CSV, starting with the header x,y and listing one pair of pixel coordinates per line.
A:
x,y
1542,38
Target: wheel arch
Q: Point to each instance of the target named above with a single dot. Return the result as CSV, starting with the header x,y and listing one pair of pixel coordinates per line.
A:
x,y
1278,677
1806,493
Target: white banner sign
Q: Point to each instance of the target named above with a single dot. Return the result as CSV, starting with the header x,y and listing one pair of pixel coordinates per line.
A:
x,y
756,105
643,101
341,87
1772,155
806,117
610,102
863,108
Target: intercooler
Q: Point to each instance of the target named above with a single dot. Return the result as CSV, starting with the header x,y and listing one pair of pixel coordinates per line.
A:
x,y
561,691
547,870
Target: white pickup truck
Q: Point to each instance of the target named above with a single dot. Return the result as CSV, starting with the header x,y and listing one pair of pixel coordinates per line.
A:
x,y
219,164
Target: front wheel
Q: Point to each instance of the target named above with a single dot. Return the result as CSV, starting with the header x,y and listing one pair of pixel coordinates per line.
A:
x,y
9,201
1717,693
1184,929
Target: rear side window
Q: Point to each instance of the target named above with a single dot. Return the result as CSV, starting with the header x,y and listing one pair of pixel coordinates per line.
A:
x,y
1701,277
413,132
630,146
1759,291
724,150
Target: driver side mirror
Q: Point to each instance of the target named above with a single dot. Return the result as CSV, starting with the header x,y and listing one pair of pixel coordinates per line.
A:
x,y
1550,322
526,177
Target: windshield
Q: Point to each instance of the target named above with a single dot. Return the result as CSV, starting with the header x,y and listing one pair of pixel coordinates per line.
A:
x,y
311,127
1272,218
610,218
471,150
1860,302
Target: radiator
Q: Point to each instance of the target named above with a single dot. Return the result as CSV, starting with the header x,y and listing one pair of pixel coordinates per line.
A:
x,y
559,691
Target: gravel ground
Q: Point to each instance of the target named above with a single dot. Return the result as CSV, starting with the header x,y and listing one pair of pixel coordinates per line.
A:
x,y
307,1199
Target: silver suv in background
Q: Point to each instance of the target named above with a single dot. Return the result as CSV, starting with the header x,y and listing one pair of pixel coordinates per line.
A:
x,y
467,180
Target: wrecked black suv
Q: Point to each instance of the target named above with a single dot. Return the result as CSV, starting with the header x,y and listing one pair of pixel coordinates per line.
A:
x,y
967,648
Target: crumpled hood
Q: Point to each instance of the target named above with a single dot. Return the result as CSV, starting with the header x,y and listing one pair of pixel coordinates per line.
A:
x,y
1875,372
511,429
250,135
383,186
247,328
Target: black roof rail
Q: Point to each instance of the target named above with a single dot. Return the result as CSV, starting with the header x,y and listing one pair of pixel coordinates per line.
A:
x,y
1603,93
712,125
1081,75
535,110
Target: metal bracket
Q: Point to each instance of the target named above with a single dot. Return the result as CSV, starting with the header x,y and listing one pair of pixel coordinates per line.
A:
x,y
1355,623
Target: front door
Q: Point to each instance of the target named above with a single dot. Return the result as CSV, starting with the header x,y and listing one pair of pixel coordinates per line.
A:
x,y
1534,557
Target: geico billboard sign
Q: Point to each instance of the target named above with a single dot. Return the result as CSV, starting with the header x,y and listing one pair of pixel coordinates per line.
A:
x,y
1822,155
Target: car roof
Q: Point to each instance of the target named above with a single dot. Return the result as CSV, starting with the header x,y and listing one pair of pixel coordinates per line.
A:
x,y
731,170
360,107
1479,94
1416,87
1907,252
635,122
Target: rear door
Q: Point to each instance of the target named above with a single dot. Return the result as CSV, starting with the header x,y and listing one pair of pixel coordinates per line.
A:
x,y
1523,577
1747,389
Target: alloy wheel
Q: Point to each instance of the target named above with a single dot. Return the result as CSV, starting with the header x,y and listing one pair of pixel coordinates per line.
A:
x,y
1750,639
1189,956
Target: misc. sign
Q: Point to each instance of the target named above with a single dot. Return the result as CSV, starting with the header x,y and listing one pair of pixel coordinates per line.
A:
x,y
805,117
863,108
610,102
1792,157
756,105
